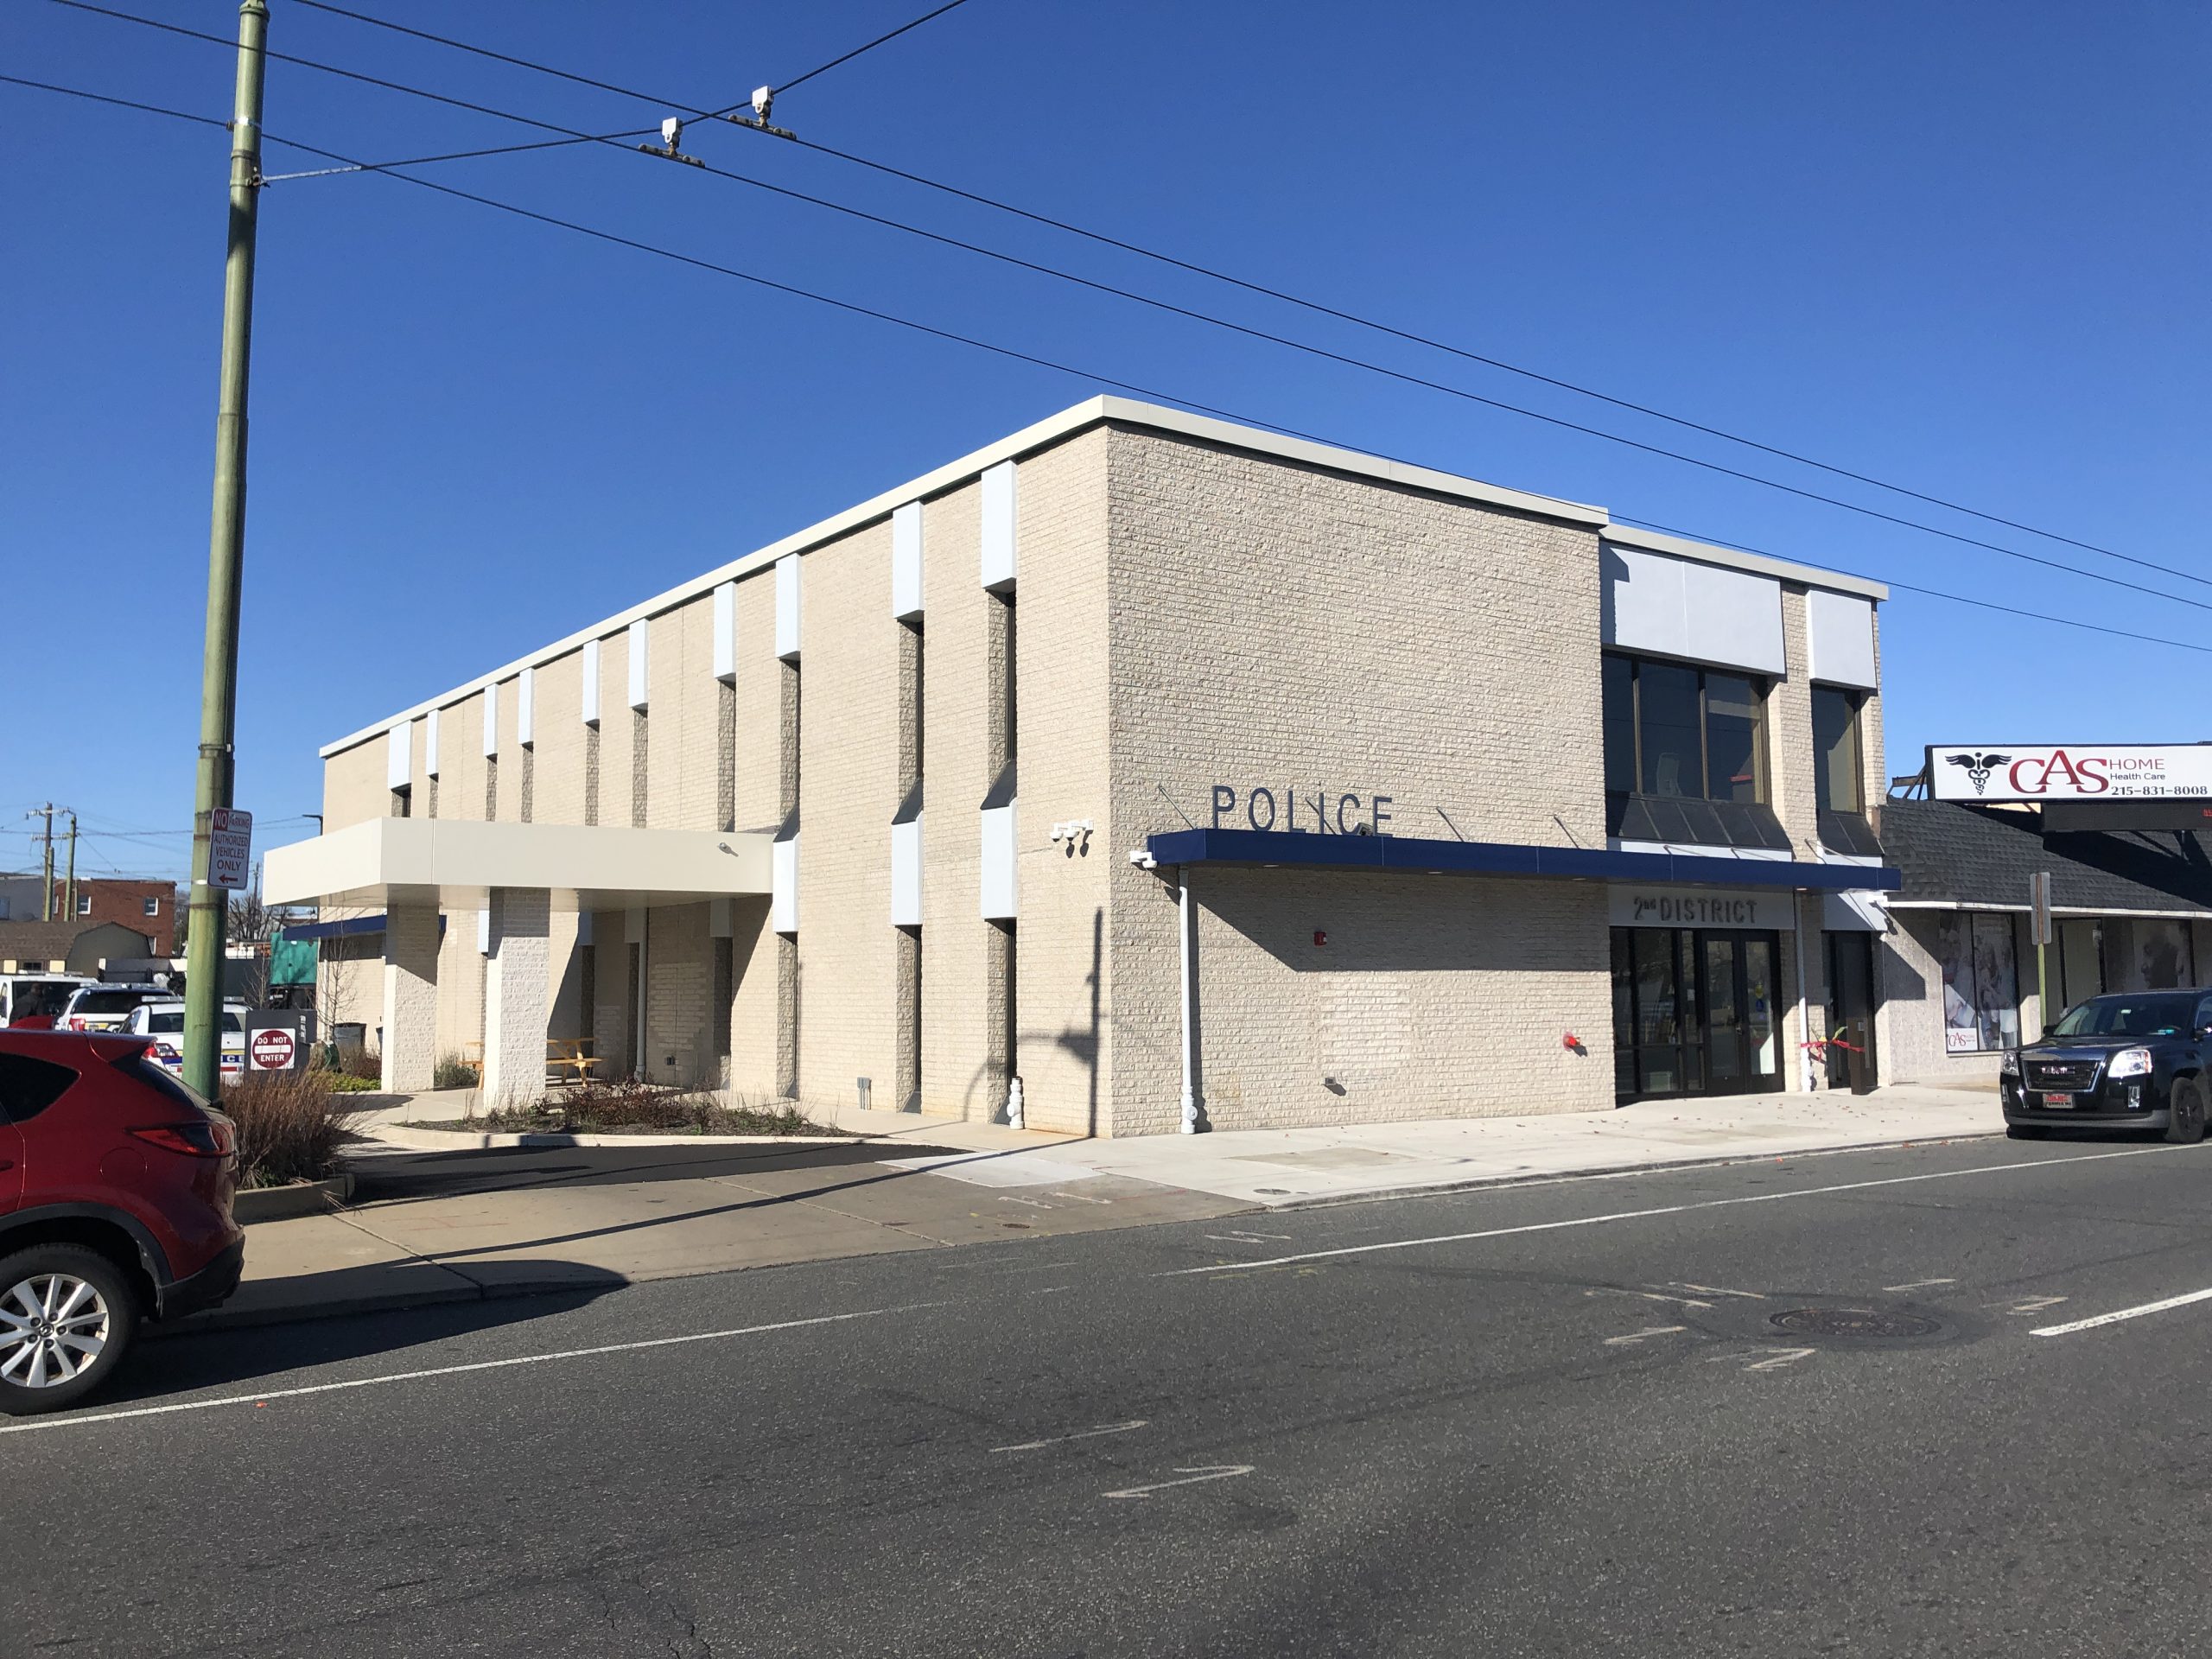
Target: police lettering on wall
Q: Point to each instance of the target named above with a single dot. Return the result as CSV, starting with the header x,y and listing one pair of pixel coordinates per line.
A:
x,y
1298,811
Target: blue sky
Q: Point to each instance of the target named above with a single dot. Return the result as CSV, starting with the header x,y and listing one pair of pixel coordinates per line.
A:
x,y
1957,246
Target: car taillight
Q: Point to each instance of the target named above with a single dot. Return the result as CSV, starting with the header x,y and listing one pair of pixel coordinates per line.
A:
x,y
206,1139
76,1023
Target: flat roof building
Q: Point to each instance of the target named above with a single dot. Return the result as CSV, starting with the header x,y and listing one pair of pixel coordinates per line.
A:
x,y
1188,773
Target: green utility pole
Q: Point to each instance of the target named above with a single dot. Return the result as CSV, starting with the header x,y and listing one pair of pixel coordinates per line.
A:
x,y
203,983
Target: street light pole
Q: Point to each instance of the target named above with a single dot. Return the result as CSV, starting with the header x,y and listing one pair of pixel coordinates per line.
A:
x,y
203,984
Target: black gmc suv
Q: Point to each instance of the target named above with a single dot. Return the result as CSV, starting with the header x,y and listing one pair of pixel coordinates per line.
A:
x,y
2140,1061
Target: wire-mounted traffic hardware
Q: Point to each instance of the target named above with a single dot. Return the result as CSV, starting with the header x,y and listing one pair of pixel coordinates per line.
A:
x,y
671,147
764,100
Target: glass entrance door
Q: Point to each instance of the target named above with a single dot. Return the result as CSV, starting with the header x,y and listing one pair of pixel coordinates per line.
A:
x,y
1695,1012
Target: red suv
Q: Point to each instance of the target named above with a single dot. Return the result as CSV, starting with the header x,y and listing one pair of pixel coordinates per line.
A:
x,y
115,1206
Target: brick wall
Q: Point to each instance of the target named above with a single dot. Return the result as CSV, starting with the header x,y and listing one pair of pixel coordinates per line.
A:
x,y
955,777
1273,624
848,790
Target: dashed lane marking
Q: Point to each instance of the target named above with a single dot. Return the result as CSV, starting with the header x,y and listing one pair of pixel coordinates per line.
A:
x,y
1079,1434
1191,1476
2114,1317
1921,1284
1775,1362
1639,1335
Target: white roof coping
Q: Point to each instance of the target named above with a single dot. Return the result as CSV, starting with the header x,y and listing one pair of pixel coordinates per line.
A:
x,y
1094,412
1735,558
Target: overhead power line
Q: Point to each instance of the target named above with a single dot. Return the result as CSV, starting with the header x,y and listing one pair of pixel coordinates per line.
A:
x,y
572,135
1041,362
1318,308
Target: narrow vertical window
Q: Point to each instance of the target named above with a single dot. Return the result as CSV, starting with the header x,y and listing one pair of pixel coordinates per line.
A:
x,y
1838,777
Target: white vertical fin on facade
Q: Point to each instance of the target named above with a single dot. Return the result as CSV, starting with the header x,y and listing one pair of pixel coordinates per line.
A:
x,y
906,562
526,709
492,719
1840,632
640,669
783,887
400,755
906,873
431,744
591,682
998,526
1000,847
484,932
787,598
725,630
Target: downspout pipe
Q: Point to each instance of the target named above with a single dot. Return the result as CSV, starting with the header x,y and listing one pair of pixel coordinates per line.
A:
x,y
1187,941
1804,1016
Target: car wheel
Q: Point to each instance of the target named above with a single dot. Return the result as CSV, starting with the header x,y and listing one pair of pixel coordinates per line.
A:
x,y
66,1315
2185,1113
2025,1131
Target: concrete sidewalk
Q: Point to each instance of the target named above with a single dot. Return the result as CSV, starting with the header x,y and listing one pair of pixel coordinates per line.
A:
x,y
462,1223
1285,1168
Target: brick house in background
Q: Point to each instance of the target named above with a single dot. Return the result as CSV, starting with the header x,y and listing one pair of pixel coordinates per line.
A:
x,y
144,906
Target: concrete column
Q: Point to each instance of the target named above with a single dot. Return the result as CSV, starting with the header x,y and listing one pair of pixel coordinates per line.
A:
x,y
411,997
517,991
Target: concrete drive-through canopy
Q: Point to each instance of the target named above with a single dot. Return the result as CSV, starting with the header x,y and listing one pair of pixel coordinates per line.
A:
x,y
456,863
517,875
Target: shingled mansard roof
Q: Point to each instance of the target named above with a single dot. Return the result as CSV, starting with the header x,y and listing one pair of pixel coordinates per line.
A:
x,y
1982,855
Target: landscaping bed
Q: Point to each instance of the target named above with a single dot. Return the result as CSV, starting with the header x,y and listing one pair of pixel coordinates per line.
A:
x,y
638,1109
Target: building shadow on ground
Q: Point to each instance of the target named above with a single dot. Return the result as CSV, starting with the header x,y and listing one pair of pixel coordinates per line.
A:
x,y
389,1177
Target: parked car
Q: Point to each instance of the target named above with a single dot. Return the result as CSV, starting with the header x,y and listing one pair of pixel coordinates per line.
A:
x,y
164,1022
2139,1060
30,1001
115,1206
106,1008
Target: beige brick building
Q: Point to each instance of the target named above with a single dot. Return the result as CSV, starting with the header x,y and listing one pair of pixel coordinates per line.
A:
x,y
1187,773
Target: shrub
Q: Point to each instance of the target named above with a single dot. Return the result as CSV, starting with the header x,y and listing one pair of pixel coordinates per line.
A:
x,y
287,1128
345,1083
626,1106
452,1072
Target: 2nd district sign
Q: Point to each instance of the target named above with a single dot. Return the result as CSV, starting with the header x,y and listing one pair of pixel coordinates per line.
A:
x,y
2070,771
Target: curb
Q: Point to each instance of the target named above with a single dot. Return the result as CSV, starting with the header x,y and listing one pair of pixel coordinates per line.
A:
x,y
415,1140
1322,1200
252,1204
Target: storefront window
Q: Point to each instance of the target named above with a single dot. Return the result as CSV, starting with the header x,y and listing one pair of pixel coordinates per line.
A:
x,y
1837,785
1981,987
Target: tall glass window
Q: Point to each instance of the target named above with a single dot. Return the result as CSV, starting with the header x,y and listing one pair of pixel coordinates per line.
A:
x,y
1838,777
1683,734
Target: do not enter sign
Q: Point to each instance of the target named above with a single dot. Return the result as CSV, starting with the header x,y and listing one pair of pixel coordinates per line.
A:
x,y
272,1051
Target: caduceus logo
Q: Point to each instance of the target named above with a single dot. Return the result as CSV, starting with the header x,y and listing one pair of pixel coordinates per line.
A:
x,y
1979,766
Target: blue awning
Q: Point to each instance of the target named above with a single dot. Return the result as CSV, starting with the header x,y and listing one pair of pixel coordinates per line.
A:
x,y
1407,855
352,927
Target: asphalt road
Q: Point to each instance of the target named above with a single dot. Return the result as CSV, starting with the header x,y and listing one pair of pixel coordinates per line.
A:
x,y
1549,1420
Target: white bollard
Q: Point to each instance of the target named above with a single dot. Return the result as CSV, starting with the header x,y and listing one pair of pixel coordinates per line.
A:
x,y
1013,1103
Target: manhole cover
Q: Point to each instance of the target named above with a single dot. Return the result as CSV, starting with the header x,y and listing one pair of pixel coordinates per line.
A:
x,y
1854,1322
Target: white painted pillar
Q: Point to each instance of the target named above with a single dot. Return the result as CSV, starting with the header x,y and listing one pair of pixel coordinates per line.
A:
x,y
517,991
1187,953
410,998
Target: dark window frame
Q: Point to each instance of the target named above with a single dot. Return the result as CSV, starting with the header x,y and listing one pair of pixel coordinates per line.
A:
x,y
1761,758
1854,702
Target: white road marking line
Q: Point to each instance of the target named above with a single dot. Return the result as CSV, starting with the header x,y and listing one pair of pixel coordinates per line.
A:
x,y
2035,1304
1715,1290
1079,1197
1921,1284
1786,1356
1080,1434
2123,1313
1653,1331
1669,1209
1193,1475
454,1370
1250,1238
1648,1295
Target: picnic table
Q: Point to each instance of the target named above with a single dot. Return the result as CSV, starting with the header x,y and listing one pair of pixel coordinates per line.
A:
x,y
570,1059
